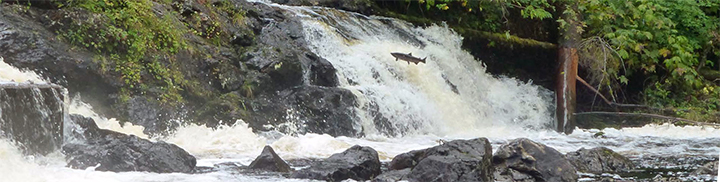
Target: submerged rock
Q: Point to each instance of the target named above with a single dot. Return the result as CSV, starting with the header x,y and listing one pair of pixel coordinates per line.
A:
x,y
112,151
392,176
458,160
357,163
599,160
269,160
525,160
709,168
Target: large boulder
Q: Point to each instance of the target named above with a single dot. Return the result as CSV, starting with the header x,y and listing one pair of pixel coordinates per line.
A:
x,y
458,160
525,160
117,152
268,160
357,163
599,160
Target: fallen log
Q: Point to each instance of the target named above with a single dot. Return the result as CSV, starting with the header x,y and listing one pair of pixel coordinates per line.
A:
x,y
625,119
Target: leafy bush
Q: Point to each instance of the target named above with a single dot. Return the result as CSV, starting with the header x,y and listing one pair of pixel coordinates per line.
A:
x,y
128,32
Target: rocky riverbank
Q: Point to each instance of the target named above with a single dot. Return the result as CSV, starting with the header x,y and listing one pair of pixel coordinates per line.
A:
x,y
471,160
240,61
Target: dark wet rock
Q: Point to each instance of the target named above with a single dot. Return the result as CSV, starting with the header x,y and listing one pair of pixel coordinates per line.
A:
x,y
406,160
268,160
599,160
27,42
357,163
458,160
33,116
512,175
327,110
117,152
392,176
522,157
322,72
150,114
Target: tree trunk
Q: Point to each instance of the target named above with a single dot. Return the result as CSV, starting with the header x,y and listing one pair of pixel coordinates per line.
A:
x,y
568,58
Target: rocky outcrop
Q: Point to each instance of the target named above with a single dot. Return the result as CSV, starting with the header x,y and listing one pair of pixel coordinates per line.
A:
x,y
357,163
458,160
285,86
259,69
33,115
268,160
113,151
27,42
525,160
599,160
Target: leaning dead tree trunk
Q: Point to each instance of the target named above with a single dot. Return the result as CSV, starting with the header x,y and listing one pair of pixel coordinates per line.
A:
x,y
570,30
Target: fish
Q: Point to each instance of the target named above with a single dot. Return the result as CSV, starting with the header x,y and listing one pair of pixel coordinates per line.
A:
x,y
407,57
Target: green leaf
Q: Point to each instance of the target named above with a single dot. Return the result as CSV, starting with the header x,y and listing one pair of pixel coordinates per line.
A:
x,y
623,80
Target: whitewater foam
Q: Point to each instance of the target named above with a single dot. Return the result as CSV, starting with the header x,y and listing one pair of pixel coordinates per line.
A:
x,y
449,95
11,74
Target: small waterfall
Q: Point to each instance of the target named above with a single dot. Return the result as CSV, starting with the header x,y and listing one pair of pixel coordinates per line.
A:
x,y
450,94
33,115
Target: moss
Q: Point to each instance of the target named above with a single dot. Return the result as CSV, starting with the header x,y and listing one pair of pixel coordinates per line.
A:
x,y
505,39
226,107
135,43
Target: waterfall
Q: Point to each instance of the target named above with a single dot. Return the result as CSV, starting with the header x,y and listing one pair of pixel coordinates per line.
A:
x,y
450,94
33,115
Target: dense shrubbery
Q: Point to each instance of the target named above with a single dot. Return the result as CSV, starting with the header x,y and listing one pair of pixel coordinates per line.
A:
x,y
139,40
133,39
667,42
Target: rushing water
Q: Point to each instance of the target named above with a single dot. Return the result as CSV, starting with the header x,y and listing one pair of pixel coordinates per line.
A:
x,y
402,107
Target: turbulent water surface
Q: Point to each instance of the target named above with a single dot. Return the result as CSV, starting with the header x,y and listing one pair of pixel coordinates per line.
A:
x,y
402,107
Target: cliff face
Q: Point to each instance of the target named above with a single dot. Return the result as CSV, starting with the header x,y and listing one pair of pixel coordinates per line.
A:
x,y
235,60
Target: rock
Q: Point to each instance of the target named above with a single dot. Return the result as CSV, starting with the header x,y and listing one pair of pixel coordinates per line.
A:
x,y
392,176
33,115
27,41
117,152
458,160
522,157
150,114
709,168
268,160
599,160
357,163
328,110
406,160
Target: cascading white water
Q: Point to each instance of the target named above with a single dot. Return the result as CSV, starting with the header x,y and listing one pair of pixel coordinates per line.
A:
x,y
450,94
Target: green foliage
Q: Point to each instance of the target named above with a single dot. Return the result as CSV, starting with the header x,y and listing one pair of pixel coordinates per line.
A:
x,y
127,32
209,26
665,41
533,9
